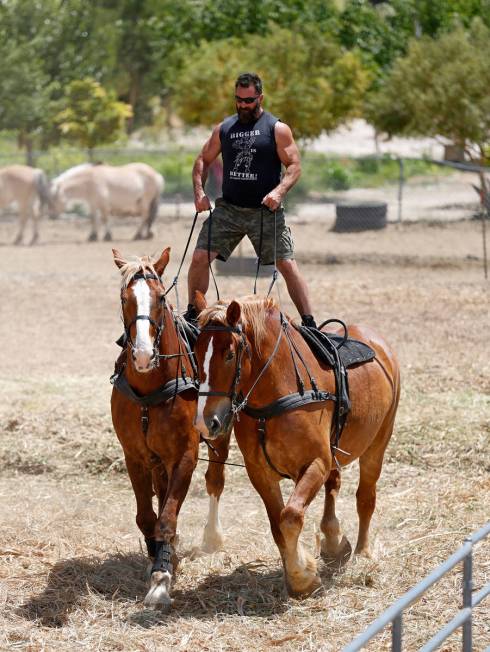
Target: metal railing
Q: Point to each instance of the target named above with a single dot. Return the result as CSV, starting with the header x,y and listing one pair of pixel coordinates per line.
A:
x,y
463,618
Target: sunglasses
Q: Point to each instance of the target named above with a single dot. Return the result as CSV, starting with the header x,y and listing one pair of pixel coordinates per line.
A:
x,y
246,100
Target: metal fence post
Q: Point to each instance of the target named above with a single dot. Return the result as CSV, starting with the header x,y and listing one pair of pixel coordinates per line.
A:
x,y
467,596
401,181
396,633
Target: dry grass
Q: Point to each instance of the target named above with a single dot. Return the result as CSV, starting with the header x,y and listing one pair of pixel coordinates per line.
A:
x,y
72,571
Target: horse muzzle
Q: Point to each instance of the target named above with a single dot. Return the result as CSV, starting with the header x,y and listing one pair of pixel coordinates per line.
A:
x,y
215,422
144,360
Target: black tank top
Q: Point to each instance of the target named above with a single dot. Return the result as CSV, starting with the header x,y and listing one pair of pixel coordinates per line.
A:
x,y
251,166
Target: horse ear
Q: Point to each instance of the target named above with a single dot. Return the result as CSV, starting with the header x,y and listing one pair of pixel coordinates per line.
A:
x,y
233,313
118,258
162,262
199,301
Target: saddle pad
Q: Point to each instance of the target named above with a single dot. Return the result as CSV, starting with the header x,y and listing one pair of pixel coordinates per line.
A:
x,y
351,352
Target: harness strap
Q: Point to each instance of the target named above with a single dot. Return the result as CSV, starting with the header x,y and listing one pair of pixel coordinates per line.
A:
x,y
289,402
160,395
261,431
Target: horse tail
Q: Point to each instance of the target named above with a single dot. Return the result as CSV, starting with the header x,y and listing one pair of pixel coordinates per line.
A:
x,y
44,193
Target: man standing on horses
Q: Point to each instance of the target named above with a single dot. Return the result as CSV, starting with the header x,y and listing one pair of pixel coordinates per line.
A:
x,y
253,144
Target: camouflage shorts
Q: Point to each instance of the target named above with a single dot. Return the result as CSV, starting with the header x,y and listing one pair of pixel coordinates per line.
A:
x,y
231,223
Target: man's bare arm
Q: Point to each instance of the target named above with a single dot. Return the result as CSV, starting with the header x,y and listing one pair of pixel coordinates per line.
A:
x,y
208,154
288,152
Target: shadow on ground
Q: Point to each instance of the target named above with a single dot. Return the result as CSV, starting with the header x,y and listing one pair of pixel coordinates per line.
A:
x,y
250,589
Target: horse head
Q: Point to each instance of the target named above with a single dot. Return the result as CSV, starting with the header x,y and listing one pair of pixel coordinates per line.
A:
x,y
143,307
219,352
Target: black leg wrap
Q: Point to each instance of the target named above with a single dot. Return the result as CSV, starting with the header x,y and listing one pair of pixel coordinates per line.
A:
x,y
163,558
151,547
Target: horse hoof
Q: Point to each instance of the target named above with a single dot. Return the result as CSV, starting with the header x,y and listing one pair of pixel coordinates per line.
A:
x,y
338,553
92,237
150,235
17,241
364,552
137,236
212,541
158,596
107,237
300,592
34,240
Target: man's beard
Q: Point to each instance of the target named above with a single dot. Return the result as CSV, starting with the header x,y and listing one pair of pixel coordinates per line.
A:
x,y
248,115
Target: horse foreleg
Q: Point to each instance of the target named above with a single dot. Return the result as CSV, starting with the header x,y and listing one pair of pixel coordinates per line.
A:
x,y
300,567
270,491
104,218
146,518
212,539
165,562
334,542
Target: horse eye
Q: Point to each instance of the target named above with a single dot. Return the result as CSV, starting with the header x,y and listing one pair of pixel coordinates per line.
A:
x,y
229,356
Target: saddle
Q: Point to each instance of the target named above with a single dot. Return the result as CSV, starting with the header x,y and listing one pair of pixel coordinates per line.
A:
x,y
326,345
339,352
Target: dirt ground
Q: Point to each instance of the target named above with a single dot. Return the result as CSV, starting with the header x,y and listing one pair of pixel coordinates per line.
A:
x,y
71,565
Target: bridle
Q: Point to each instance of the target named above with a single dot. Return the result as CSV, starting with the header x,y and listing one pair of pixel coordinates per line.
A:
x,y
238,401
159,328
233,394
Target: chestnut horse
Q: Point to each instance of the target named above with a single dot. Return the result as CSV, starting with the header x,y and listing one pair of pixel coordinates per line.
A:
x,y
242,349
153,411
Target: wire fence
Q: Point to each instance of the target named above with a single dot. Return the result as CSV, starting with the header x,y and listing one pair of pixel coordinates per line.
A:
x,y
338,196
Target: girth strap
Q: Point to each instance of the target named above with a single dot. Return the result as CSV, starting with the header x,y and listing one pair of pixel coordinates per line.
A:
x,y
289,402
160,395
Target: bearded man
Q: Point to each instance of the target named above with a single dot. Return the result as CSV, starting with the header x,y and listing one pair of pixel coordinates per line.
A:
x,y
253,144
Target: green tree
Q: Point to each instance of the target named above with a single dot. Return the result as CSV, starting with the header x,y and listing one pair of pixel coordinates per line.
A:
x,y
43,46
440,89
92,116
327,96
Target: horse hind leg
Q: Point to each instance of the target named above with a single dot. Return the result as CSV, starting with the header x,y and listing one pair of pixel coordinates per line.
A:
x,y
300,566
23,217
334,544
35,215
370,464
212,539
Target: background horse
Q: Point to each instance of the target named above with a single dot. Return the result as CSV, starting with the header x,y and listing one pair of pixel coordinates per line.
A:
x,y
107,190
29,189
160,442
237,342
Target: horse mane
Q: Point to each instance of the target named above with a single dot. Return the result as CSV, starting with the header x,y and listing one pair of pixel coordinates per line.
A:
x,y
67,174
254,314
135,265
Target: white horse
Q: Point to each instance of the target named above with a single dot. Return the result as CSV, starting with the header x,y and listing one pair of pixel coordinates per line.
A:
x,y
29,189
106,190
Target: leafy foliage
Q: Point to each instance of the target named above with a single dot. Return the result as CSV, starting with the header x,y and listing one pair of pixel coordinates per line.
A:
x,y
440,89
330,93
92,115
